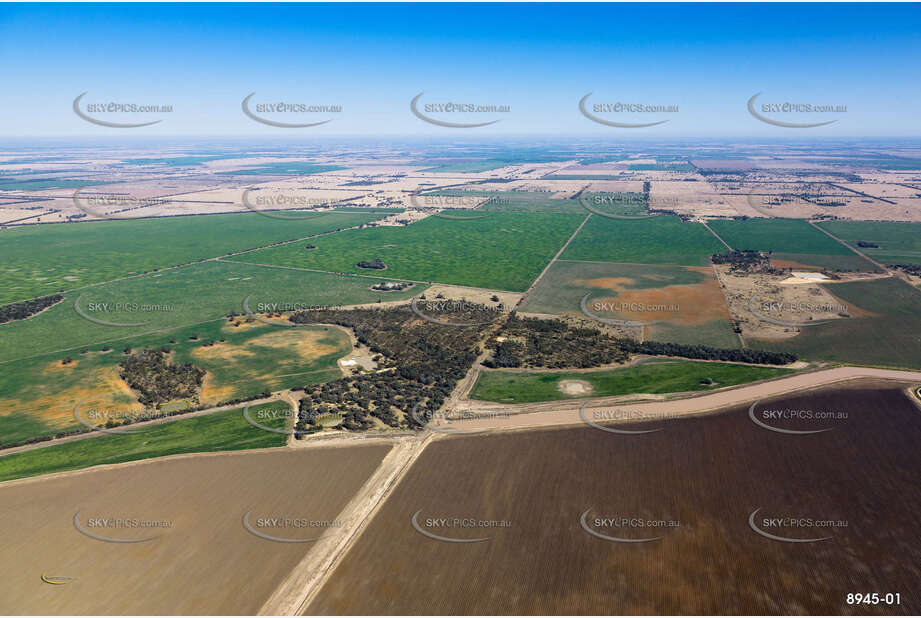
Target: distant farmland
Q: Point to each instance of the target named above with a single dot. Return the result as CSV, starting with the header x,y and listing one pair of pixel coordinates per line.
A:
x,y
654,240
515,201
702,476
78,254
504,251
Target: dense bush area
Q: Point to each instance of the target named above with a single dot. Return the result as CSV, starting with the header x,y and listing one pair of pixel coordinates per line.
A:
x,y
421,362
746,261
532,342
27,308
151,374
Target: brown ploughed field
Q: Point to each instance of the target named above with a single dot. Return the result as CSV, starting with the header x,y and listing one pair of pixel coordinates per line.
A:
x,y
703,476
202,561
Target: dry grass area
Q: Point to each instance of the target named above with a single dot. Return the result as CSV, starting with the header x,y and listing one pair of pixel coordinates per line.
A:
x,y
100,389
205,562
779,298
685,305
705,474
697,199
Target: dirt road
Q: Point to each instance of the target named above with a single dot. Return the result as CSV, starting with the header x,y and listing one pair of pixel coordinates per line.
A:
x,y
305,580
525,416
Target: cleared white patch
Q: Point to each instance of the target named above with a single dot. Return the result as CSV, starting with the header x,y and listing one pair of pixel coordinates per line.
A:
x,y
808,275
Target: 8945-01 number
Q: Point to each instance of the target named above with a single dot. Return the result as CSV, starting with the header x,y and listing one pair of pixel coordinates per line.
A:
x,y
874,598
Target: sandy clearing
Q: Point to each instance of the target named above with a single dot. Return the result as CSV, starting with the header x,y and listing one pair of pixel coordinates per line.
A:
x,y
574,387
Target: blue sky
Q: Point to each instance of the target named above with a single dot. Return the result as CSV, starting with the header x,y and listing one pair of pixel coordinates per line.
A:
x,y
537,59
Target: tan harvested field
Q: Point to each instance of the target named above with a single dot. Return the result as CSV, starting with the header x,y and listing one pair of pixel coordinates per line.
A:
x,y
691,198
205,562
694,486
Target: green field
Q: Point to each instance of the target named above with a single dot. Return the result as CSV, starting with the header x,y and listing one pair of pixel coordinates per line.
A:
x,y
183,160
839,263
661,167
778,235
193,294
649,377
36,260
37,395
899,242
891,339
505,251
45,183
624,204
654,240
221,431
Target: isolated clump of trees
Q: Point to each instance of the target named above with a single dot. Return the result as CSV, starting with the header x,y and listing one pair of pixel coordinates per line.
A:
x,y
27,308
375,264
745,261
150,373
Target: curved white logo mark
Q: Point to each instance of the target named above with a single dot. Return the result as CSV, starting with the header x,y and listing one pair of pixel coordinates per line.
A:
x,y
414,200
778,123
274,214
764,208
106,539
753,526
86,423
751,415
583,304
415,309
275,123
84,208
81,313
268,537
625,432
760,315
442,123
418,528
259,318
609,215
56,580
611,123
287,432
583,521
105,123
